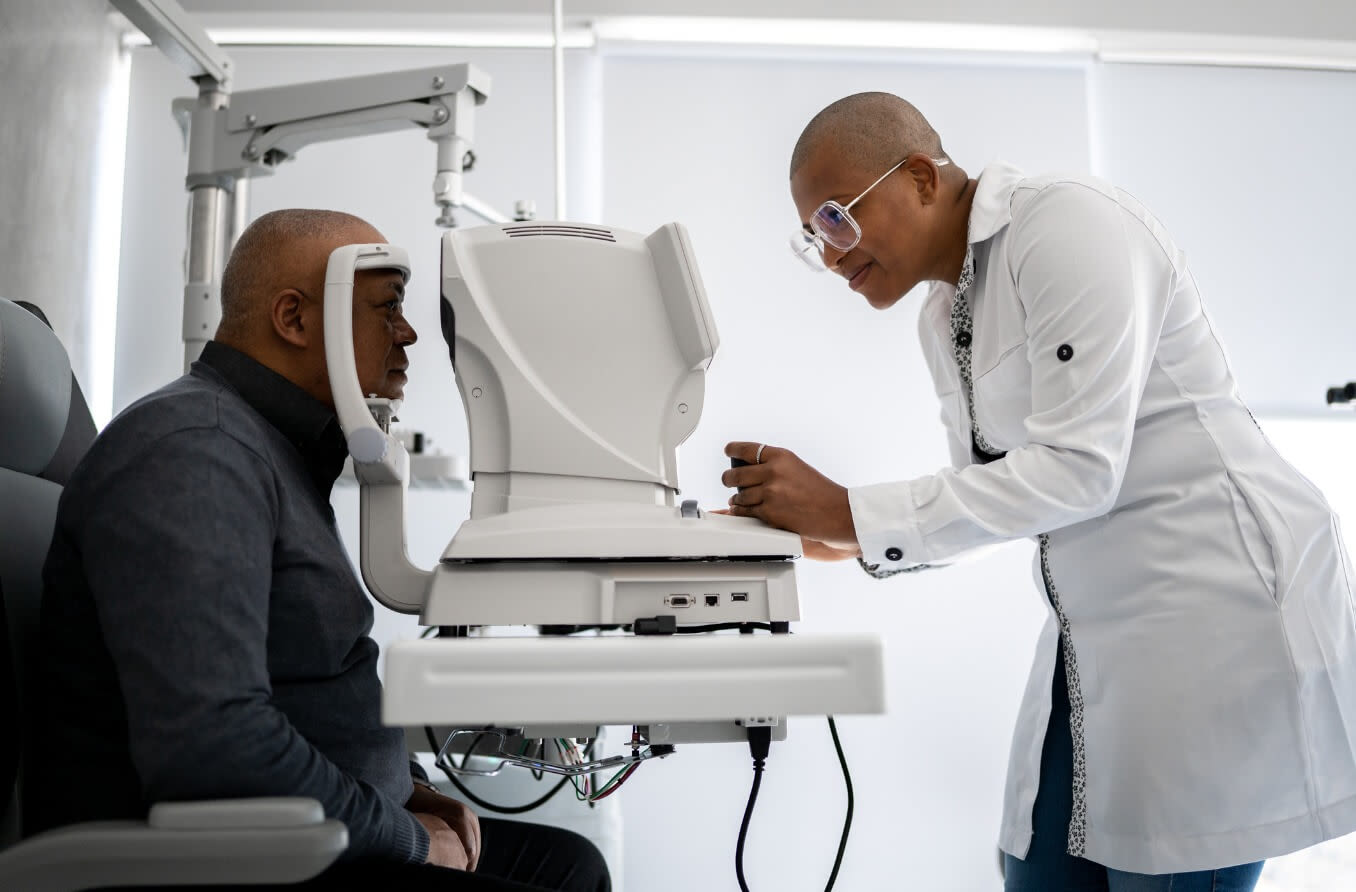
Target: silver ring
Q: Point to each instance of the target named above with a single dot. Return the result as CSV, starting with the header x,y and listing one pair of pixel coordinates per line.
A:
x,y
758,456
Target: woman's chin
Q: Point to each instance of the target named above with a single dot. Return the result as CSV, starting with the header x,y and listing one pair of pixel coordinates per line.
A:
x,y
882,299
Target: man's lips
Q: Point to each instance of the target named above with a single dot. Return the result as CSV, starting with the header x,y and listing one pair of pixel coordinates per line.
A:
x,y
857,278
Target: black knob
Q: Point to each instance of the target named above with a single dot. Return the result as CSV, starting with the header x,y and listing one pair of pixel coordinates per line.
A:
x,y
739,463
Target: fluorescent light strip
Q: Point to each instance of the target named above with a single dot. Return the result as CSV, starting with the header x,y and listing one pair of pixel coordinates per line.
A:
x,y
1229,59
1151,48
574,38
1167,48
829,33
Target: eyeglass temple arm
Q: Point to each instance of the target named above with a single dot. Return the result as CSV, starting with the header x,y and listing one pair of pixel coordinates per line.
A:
x,y
940,162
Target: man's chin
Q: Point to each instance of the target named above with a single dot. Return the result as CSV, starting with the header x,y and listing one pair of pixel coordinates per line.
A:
x,y
389,392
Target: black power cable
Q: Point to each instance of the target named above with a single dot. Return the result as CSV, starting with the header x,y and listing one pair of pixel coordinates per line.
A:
x,y
847,820
760,741
721,627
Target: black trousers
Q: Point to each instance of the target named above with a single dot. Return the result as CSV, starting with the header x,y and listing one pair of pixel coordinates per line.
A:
x,y
517,857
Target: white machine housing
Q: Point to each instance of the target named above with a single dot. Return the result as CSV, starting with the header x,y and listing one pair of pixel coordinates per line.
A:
x,y
581,356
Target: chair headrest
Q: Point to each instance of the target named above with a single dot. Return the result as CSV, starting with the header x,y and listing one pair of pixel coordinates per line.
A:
x,y
35,390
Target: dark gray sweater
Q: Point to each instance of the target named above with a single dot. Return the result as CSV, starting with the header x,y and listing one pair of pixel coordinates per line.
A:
x,y
203,631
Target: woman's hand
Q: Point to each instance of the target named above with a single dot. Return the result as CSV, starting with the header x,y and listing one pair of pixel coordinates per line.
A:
x,y
819,551
782,491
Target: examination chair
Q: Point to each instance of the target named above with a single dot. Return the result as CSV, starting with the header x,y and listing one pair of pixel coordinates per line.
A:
x,y
45,428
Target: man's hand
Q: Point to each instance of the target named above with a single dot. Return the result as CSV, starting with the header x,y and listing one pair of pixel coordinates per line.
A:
x,y
445,848
785,492
434,810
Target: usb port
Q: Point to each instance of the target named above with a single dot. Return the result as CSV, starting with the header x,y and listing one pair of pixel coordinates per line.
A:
x,y
678,600
739,596
711,600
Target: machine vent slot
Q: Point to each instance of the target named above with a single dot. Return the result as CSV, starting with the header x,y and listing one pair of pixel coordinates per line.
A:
x,y
592,232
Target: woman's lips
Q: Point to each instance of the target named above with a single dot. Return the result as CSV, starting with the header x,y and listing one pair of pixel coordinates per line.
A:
x,y
855,283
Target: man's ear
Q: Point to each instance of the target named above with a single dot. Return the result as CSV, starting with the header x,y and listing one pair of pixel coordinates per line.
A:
x,y
290,320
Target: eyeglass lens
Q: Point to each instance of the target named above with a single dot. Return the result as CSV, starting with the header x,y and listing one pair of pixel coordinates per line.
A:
x,y
835,226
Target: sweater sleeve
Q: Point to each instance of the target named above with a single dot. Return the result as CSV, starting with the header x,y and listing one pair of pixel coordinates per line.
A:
x,y
178,546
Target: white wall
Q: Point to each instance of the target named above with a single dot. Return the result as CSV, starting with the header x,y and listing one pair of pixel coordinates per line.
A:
x,y
803,364
1251,172
63,82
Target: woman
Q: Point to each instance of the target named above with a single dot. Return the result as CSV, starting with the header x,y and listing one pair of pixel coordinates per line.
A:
x,y
1192,707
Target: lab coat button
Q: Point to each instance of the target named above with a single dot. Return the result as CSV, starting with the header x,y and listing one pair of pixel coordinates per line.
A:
x,y
893,554
963,339
1065,353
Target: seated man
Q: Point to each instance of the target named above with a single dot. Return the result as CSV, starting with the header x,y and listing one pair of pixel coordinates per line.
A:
x,y
204,635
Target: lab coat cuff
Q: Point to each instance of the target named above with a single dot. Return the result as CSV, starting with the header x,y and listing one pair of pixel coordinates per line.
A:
x,y
887,527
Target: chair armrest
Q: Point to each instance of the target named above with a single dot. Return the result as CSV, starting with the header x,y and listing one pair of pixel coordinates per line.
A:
x,y
189,843
258,813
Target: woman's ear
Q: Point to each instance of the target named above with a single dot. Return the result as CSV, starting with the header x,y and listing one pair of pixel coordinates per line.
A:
x,y
289,317
926,175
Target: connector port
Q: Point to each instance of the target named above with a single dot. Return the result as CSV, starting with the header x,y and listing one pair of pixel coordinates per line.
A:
x,y
739,596
711,600
678,600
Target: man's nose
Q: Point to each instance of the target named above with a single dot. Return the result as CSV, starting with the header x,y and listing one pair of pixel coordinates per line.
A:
x,y
404,332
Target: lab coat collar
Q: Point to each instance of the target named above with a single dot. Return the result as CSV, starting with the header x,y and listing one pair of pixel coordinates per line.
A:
x,y
992,207
990,211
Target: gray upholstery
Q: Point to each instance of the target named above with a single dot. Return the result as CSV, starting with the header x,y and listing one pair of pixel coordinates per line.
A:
x,y
25,535
44,430
80,430
35,390
35,404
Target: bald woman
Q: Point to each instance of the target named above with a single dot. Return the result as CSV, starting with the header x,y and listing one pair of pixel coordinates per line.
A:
x,y
1191,708
205,636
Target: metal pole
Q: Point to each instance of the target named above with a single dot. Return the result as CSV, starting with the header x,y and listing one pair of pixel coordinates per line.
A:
x,y
209,199
202,305
558,63
240,216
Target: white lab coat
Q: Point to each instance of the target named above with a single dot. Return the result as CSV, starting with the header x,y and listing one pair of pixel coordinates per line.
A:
x,y
1202,580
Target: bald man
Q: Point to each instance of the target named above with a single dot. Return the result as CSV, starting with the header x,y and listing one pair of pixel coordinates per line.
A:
x,y
1189,710
204,635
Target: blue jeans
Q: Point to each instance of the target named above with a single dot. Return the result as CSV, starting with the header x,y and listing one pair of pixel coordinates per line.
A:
x,y
1048,867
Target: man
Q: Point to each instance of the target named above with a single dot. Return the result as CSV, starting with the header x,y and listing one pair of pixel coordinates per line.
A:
x,y
203,632
1190,708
